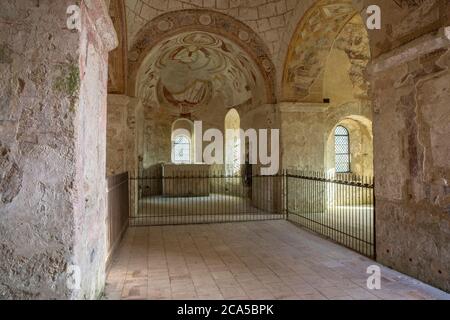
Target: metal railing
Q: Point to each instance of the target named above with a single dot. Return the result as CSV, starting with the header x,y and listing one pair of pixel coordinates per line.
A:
x,y
337,206
118,211
197,197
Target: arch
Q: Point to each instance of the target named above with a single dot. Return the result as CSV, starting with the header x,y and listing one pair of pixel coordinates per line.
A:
x,y
360,142
194,70
117,60
183,140
181,149
311,42
233,142
169,25
310,47
342,154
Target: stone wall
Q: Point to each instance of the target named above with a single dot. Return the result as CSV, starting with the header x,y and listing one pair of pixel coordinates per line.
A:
x,y
307,131
52,124
124,135
157,144
411,130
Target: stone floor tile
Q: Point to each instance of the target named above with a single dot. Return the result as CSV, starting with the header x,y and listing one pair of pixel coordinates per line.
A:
x,y
257,260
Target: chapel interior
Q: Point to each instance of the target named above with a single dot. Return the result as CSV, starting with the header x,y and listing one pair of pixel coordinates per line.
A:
x,y
110,110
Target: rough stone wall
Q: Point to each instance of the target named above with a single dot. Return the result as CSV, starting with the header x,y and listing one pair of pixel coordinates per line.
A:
x,y
303,137
116,137
124,130
411,130
157,137
39,85
52,151
91,115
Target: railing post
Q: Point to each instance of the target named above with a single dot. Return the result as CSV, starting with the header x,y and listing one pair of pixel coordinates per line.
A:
x,y
374,201
286,198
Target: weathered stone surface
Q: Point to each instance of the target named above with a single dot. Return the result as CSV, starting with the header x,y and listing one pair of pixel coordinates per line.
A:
x,y
411,155
52,169
124,134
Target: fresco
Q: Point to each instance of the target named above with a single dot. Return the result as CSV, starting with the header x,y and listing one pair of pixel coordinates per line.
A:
x,y
248,45
196,68
310,47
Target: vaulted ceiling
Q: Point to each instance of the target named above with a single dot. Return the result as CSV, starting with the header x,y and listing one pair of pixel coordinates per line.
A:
x,y
296,71
310,47
192,69
266,17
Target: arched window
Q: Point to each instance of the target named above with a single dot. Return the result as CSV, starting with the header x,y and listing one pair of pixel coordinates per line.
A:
x,y
233,143
342,150
181,149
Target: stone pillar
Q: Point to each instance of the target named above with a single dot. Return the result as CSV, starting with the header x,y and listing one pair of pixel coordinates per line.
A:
x,y
125,138
52,149
412,149
124,115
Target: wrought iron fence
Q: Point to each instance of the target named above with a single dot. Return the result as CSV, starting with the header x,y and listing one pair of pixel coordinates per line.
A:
x,y
195,197
337,206
118,211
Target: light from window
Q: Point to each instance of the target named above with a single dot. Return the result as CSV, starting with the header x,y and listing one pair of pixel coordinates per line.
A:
x,y
233,143
236,166
342,145
181,150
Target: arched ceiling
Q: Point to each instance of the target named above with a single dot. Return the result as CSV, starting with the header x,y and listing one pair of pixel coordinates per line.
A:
x,y
274,22
193,70
117,70
310,46
353,43
267,18
229,31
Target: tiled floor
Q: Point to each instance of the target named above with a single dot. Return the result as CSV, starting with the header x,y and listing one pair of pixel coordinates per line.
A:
x,y
256,260
159,210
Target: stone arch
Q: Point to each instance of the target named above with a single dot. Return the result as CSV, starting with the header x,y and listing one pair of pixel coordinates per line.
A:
x,y
185,127
117,60
309,48
232,141
169,25
291,27
361,144
183,124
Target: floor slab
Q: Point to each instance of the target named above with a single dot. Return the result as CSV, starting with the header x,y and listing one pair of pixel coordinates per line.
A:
x,y
254,260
